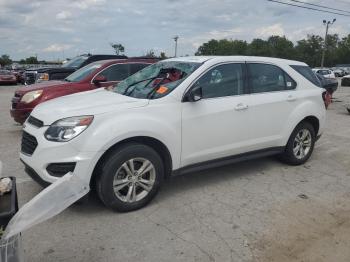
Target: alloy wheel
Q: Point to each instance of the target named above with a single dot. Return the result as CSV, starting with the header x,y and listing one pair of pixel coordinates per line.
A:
x,y
134,180
302,144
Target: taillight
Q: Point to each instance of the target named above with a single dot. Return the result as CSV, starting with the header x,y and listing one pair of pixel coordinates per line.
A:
x,y
327,98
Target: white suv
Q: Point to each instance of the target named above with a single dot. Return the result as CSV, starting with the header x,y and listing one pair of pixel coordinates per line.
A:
x,y
177,116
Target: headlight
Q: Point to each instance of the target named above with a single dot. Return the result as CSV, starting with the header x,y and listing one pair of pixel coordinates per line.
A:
x,y
43,77
31,96
66,129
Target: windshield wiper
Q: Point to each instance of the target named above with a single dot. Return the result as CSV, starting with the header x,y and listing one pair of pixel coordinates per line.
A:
x,y
135,83
67,80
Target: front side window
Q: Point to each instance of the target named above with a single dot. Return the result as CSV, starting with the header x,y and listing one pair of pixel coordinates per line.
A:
x,y
84,72
116,72
222,80
134,68
268,78
157,80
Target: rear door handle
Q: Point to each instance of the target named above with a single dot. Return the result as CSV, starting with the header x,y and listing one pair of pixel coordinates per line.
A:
x,y
291,98
241,107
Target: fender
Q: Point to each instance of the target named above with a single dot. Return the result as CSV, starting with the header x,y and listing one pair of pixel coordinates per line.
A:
x,y
134,123
303,110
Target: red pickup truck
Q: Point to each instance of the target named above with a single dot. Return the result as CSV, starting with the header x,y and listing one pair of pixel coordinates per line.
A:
x,y
95,75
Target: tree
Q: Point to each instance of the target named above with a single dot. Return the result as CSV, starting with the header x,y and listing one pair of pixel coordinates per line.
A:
x,y
310,50
259,47
281,47
118,48
162,56
343,51
223,47
5,60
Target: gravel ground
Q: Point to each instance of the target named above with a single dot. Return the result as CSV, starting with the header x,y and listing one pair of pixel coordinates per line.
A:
x,y
260,210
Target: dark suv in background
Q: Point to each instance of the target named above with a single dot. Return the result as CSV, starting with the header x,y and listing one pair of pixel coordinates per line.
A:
x,y
32,76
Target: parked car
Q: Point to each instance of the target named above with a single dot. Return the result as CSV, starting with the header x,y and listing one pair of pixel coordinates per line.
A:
x,y
102,73
345,81
176,116
6,77
338,72
327,73
58,73
19,73
330,84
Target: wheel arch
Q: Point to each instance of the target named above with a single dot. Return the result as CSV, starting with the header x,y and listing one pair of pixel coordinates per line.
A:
x,y
314,121
154,143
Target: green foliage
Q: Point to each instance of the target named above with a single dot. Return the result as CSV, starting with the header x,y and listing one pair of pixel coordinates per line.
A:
x,y
223,47
118,48
29,60
162,56
308,50
5,60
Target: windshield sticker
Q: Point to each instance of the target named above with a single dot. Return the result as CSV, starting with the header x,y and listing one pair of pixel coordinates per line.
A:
x,y
162,90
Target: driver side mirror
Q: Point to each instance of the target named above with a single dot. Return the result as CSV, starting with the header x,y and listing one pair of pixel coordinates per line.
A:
x,y
195,94
99,79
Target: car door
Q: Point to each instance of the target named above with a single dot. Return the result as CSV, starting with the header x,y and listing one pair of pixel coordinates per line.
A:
x,y
218,125
114,74
273,98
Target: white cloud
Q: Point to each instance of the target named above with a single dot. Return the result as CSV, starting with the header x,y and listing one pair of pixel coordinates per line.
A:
x,y
197,40
63,15
57,48
86,4
276,29
138,12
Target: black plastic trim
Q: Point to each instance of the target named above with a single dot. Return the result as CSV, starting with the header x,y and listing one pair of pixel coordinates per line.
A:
x,y
6,213
34,175
60,169
228,160
35,122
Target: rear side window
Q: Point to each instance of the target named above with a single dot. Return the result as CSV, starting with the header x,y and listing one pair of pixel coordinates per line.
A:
x,y
306,72
268,78
136,67
116,72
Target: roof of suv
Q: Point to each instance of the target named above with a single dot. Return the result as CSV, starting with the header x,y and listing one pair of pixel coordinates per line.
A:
x,y
202,59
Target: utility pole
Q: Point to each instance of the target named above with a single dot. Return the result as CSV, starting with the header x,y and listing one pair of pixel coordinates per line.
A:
x,y
327,24
175,39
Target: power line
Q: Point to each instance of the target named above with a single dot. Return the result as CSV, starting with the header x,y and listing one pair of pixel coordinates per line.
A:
x,y
321,6
306,7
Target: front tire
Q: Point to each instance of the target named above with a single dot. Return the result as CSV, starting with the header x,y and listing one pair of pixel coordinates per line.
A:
x,y
130,177
300,145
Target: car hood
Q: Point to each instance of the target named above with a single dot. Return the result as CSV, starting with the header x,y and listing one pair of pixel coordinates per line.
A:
x,y
93,102
41,86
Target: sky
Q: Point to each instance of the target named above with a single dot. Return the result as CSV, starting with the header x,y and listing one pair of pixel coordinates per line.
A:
x,y
57,29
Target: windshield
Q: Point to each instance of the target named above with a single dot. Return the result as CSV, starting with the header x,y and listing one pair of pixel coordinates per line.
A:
x,y
157,80
83,72
75,62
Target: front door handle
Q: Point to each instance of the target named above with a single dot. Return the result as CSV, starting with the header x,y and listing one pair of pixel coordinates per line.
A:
x,y
291,98
241,107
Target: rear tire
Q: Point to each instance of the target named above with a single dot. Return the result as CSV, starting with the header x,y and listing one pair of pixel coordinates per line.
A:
x,y
130,177
300,145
